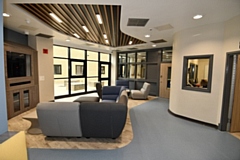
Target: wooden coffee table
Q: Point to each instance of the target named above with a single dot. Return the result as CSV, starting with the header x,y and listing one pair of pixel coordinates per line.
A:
x,y
34,128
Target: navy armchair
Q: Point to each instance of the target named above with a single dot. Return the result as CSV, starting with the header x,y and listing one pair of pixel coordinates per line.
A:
x,y
111,93
122,82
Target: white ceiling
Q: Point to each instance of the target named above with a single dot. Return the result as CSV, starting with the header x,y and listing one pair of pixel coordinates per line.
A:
x,y
177,13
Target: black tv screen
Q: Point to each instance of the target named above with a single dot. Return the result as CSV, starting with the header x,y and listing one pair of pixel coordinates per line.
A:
x,y
18,64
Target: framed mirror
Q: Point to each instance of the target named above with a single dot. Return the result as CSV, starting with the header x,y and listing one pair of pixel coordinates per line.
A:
x,y
197,73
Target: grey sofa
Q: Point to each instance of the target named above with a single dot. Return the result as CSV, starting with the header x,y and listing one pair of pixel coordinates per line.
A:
x,y
142,93
86,119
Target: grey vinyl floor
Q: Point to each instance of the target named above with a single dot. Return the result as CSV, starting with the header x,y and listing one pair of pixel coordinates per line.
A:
x,y
158,135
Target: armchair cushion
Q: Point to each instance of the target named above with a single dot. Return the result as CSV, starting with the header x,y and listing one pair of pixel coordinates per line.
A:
x,y
142,93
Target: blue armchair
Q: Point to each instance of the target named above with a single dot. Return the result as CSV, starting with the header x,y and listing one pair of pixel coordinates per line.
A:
x,y
111,93
121,82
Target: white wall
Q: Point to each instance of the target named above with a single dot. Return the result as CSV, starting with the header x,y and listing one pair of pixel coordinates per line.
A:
x,y
3,105
216,39
45,67
201,40
113,68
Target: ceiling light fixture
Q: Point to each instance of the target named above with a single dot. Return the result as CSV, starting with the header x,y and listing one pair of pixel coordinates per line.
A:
x,y
76,35
67,40
147,36
130,42
198,16
55,17
154,45
6,15
99,18
105,36
85,28
106,41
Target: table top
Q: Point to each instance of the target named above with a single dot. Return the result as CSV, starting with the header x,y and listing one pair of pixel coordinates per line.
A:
x,y
31,115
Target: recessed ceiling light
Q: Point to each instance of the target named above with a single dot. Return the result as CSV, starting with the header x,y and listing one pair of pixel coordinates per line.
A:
x,y
67,40
154,45
6,15
198,16
105,36
130,42
99,18
76,35
106,41
85,28
56,17
147,36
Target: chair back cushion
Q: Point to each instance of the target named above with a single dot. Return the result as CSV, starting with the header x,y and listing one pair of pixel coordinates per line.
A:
x,y
99,89
123,98
111,92
121,82
146,88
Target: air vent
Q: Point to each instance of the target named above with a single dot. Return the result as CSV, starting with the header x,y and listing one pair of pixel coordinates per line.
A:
x,y
140,22
164,27
28,28
44,35
89,44
132,48
159,41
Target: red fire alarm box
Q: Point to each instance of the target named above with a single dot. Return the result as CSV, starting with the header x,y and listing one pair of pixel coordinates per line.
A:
x,y
45,51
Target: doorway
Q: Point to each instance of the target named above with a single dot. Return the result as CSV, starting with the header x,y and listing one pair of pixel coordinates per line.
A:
x,y
104,73
230,118
165,80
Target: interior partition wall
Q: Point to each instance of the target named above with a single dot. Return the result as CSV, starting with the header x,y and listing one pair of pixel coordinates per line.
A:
x,y
76,71
143,66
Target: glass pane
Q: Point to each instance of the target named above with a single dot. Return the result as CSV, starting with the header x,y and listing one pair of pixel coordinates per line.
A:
x,y
92,55
104,83
26,98
131,57
167,56
92,68
77,68
141,57
16,102
141,71
104,71
122,58
77,85
131,71
104,57
60,87
77,53
91,84
62,68
198,72
169,77
60,51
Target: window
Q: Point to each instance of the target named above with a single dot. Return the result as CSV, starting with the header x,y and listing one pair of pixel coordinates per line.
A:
x,y
197,73
57,69
79,69
167,56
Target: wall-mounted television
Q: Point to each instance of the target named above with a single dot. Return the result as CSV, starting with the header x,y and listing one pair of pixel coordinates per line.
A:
x,y
18,64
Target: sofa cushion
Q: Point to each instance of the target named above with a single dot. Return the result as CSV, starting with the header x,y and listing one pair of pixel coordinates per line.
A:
x,y
59,119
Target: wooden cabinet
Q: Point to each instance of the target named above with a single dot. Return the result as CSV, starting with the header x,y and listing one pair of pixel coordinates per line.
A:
x,y
22,90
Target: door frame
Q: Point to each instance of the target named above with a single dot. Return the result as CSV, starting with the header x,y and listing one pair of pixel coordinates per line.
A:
x,y
227,90
109,72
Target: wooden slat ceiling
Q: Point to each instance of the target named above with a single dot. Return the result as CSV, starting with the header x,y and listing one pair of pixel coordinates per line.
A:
x,y
74,16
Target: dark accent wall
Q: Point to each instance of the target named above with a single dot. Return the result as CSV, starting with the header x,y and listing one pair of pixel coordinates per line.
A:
x,y
13,36
153,61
